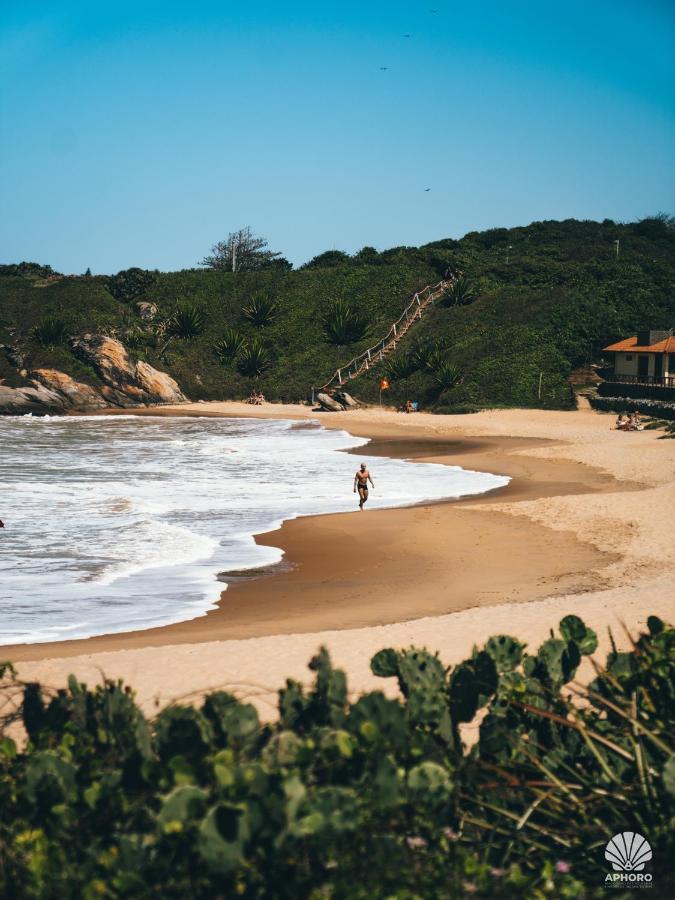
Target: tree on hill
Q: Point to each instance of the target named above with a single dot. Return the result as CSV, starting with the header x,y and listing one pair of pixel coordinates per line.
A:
x,y
243,251
327,259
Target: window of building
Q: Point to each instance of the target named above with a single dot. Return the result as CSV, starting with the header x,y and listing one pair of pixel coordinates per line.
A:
x,y
671,363
629,357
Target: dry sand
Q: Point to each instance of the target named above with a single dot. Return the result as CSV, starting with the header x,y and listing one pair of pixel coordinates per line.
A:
x,y
586,526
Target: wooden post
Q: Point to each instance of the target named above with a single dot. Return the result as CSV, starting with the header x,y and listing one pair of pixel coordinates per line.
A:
x,y
541,375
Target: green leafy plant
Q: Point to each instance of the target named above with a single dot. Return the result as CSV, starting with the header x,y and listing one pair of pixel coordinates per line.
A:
x,y
261,310
344,323
231,344
400,366
187,321
349,796
254,358
460,293
446,375
129,284
51,331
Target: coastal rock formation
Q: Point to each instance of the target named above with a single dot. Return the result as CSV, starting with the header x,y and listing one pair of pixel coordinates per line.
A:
x,y
327,403
129,382
346,400
338,401
73,394
23,400
126,382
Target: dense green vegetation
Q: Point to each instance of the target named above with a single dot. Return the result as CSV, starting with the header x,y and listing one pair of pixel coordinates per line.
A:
x,y
368,797
536,302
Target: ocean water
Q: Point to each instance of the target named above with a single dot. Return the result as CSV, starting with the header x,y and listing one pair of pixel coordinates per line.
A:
x,y
118,523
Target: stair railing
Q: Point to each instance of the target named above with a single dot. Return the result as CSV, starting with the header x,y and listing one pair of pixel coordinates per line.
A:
x,y
413,310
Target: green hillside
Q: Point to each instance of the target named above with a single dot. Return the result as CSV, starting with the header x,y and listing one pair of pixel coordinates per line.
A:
x,y
546,298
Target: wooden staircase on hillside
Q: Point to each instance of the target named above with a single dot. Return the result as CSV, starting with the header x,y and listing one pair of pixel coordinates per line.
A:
x,y
379,352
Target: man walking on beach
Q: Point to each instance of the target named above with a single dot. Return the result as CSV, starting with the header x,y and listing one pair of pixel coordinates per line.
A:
x,y
361,480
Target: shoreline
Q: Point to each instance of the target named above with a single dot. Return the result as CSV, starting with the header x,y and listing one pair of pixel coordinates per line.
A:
x,y
456,578
577,485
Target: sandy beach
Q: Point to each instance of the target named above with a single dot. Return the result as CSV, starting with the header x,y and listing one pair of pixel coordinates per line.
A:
x,y
585,526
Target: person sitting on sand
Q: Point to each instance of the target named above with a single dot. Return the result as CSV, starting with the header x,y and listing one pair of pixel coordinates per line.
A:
x,y
361,480
623,423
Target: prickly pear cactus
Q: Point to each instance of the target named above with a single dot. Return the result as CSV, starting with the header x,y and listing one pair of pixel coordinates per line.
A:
x,y
557,661
234,723
506,652
472,683
572,628
182,731
222,836
49,780
385,663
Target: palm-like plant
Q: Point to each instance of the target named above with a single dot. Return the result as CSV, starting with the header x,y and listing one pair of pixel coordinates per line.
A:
x,y
187,322
344,323
400,366
460,293
261,310
446,375
422,352
230,346
50,331
254,358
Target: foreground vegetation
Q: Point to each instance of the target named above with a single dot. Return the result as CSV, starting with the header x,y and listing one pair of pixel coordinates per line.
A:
x,y
536,303
350,798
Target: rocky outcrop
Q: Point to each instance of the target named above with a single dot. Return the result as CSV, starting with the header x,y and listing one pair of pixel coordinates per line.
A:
x,y
327,403
346,400
23,400
135,381
126,382
146,311
74,394
337,401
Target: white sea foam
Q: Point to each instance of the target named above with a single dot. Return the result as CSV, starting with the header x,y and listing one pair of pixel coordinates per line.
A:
x,y
117,523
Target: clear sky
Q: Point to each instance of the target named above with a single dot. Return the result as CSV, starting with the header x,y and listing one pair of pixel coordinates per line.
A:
x,y
141,133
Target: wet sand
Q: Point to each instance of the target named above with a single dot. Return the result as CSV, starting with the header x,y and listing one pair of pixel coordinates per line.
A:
x,y
352,570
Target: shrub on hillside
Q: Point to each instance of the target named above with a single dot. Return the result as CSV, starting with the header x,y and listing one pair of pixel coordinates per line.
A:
x,y
187,322
130,283
231,344
347,796
254,358
344,323
261,310
51,331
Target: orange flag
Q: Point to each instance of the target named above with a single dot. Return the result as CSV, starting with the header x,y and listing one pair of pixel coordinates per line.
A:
x,y
384,385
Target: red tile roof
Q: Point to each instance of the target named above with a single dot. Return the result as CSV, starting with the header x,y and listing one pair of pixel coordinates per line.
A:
x,y
631,345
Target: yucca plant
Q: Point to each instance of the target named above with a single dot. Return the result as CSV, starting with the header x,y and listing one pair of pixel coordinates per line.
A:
x,y
50,331
254,358
187,322
261,310
230,346
460,293
344,323
400,366
446,374
422,352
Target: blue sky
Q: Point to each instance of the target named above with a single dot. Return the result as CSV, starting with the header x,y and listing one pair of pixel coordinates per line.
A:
x,y
141,133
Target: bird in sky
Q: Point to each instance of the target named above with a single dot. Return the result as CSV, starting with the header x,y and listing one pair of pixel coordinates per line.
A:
x,y
426,189
406,35
383,68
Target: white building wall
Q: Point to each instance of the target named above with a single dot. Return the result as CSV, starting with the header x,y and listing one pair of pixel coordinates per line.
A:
x,y
627,363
